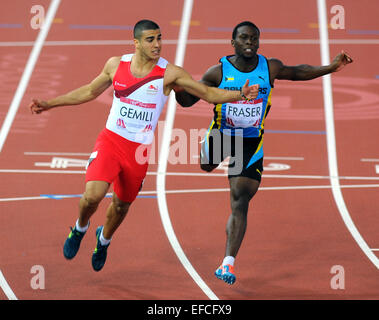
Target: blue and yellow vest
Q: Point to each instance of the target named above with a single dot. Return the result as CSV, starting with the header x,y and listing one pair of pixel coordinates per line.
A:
x,y
247,116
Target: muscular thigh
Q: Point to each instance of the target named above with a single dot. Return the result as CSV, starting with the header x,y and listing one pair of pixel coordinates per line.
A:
x,y
95,191
242,188
129,181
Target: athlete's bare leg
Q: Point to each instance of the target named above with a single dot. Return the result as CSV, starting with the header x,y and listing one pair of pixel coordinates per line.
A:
x,y
242,189
116,213
95,192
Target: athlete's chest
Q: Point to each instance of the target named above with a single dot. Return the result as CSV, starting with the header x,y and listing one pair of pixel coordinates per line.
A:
x,y
124,78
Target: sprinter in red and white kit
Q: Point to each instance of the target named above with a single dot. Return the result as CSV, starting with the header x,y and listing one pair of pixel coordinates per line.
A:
x,y
142,82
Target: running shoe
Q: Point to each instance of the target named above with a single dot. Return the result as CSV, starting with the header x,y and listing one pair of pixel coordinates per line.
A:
x,y
100,253
226,274
72,243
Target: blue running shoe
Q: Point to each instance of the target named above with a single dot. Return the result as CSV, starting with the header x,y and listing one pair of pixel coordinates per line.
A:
x,y
218,273
226,273
100,253
72,243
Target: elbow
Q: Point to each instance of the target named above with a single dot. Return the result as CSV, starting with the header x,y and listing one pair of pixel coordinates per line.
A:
x,y
208,97
187,105
184,104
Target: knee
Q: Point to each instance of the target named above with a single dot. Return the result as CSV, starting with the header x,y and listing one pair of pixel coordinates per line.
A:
x,y
120,208
240,203
240,200
207,167
92,199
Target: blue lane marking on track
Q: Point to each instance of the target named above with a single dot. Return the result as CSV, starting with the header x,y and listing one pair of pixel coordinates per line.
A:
x,y
99,27
263,30
363,31
10,25
279,30
69,196
377,76
295,131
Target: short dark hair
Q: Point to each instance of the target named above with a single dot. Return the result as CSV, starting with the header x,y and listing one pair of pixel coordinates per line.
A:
x,y
143,25
244,23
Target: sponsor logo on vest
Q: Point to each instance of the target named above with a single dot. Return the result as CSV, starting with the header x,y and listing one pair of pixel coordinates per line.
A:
x,y
262,90
138,103
120,84
151,89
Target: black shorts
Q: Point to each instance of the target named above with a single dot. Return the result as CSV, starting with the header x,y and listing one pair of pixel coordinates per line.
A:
x,y
246,154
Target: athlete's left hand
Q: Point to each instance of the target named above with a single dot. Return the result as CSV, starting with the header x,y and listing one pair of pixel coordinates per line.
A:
x,y
340,61
250,92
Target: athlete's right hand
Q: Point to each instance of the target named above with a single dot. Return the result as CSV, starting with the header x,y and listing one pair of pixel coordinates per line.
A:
x,y
250,92
38,106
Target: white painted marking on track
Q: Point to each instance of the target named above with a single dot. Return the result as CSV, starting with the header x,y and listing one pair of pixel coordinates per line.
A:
x,y
330,136
191,174
163,158
6,288
68,154
23,84
37,46
210,190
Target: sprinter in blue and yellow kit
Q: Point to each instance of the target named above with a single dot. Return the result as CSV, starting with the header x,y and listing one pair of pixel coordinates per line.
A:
x,y
237,128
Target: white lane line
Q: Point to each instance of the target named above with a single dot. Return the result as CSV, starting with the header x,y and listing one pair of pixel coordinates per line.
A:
x,y
284,158
42,171
190,41
370,160
38,44
6,288
330,136
38,153
191,174
163,158
209,190
79,154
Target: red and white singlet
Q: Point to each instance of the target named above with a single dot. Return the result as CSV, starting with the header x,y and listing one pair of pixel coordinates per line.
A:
x,y
137,102
137,105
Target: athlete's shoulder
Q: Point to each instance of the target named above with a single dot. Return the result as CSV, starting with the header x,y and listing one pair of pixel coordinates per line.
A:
x,y
225,59
213,76
274,62
175,71
113,62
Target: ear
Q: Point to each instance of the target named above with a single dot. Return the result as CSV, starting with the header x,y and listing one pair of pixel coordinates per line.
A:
x,y
136,42
232,42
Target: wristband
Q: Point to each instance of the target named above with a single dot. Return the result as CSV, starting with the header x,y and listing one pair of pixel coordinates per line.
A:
x,y
243,96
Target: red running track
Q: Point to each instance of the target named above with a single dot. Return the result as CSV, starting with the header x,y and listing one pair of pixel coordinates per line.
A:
x,y
295,234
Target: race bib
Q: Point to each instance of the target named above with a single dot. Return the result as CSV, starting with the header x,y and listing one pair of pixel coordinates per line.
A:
x,y
136,116
244,114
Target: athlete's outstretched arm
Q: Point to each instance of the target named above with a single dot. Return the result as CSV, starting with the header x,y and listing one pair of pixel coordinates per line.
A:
x,y
211,78
177,76
305,71
83,94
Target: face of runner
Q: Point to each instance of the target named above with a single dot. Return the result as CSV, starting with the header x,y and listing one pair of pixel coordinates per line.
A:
x,y
150,44
246,43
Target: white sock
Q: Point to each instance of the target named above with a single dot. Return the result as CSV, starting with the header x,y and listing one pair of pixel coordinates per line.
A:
x,y
228,260
81,229
103,240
